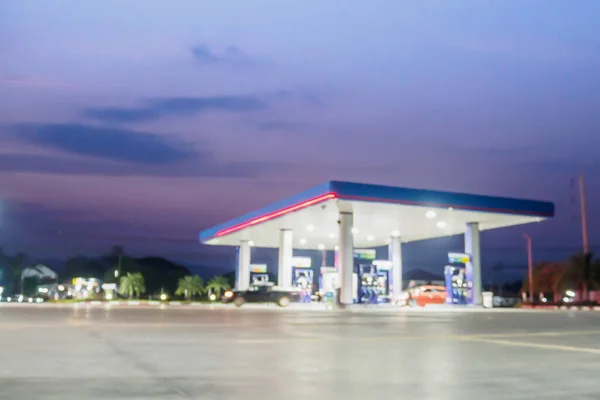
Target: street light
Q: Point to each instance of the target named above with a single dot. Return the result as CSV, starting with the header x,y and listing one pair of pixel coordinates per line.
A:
x,y
529,265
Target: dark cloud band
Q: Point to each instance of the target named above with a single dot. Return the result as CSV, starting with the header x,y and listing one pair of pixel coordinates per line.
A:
x,y
106,143
175,106
198,168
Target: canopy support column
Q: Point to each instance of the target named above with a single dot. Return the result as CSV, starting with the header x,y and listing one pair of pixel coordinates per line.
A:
x,y
286,249
243,267
473,267
395,256
346,258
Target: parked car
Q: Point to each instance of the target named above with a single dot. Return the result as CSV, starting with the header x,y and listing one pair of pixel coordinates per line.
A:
x,y
425,294
261,294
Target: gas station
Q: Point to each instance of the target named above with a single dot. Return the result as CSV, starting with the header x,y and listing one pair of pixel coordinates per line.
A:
x,y
352,219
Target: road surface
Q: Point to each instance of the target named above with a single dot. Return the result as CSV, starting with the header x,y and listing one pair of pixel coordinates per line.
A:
x,y
88,352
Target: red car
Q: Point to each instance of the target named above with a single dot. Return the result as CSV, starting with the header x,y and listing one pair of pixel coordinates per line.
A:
x,y
425,294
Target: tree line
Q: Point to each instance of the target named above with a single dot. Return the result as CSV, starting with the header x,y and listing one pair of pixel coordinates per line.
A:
x,y
132,286
135,277
581,274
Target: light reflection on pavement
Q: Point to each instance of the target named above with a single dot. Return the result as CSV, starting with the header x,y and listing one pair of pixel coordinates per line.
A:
x,y
139,353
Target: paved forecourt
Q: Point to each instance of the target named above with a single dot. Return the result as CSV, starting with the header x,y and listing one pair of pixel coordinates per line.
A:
x,y
140,353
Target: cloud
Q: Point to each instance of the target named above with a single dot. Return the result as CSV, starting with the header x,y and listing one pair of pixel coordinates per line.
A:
x,y
301,95
203,55
106,143
154,109
231,56
27,81
494,149
76,166
281,126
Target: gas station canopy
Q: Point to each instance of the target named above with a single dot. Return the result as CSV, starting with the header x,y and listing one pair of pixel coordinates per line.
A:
x,y
380,212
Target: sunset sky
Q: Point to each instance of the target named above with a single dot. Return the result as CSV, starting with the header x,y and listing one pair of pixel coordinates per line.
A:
x,y
144,122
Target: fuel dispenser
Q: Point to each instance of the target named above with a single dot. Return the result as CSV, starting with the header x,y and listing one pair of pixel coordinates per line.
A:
x,y
370,281
364,279
384,281
329,281
302,277
258,274
457,282
368,285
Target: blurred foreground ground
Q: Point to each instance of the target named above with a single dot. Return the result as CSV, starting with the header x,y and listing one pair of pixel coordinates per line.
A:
x,y
86,352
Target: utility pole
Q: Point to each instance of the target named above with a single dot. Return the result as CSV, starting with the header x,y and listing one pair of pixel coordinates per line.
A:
x,y
118,269
117,274
584,230
529,265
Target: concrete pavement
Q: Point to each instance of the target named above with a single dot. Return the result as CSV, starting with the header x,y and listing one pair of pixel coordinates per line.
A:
x,y
178,353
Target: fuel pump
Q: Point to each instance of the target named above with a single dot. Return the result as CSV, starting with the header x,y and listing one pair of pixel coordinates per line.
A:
x,y
457,284
368,284
329,280
258,274
383,268
302,277
364,278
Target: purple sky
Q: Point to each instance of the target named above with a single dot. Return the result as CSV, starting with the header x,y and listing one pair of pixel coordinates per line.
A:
x,y
143,122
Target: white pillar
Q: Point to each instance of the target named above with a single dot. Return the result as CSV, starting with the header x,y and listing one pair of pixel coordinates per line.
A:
x,y
346,258
286,249
473,268
395,256
243,275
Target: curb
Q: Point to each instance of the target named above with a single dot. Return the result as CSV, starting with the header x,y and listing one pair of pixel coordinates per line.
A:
x,y
563,308
218,305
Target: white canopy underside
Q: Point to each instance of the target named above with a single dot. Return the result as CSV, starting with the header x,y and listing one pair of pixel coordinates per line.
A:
x,y
374,223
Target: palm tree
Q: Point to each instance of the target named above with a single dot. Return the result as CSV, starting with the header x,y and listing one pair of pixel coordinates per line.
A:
x,y
132,285
189,286
217,285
